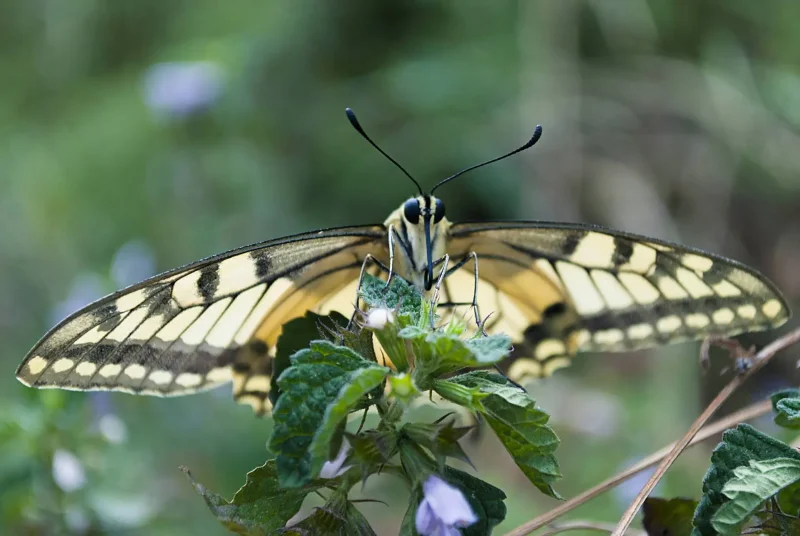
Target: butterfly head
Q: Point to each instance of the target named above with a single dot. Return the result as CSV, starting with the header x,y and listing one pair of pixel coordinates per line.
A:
x,y
420,221
422,227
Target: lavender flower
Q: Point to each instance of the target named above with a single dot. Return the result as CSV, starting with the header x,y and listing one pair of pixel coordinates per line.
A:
x,y
178,89
336,467
443,510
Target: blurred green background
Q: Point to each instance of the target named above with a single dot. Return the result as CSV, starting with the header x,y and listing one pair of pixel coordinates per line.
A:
x,y
137,136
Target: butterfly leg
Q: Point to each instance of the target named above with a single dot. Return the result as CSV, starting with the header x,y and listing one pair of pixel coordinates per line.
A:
x,y
472,256
369,258
444,261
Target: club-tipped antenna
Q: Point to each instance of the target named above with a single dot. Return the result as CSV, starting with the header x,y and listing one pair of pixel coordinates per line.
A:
x,y
351,116
537,133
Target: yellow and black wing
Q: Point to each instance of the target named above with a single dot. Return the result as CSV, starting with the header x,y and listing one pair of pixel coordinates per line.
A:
x,y
561,288
205,323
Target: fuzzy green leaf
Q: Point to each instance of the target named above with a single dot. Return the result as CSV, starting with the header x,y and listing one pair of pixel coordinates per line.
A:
x,y
443,351
405,298
786,405
440,438
324,382
738,448
750,487
260,507
671,517
296,335
338,517
520,426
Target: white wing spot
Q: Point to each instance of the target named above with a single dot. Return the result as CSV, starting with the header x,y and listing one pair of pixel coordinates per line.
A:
x,y
640,288
221,335
254,319
185,290
548,348
195,334
640,331
696,287
595,250
613,292
668,324
160,377
131,300
36,364
696,262
723,316
235,274
177,325
63,364
525,369
643,259
726,289
85,368
582,290
609,336
554,364
189,379
126,327
219,375
697,320
110,370
93,336
148,328
258,383
135,371
747,312
671,289
771,308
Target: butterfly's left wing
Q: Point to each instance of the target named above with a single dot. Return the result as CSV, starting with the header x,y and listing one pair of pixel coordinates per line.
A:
x,y
205,323
561,288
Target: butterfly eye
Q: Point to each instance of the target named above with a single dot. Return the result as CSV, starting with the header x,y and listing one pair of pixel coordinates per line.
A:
x,y
411,211
438,212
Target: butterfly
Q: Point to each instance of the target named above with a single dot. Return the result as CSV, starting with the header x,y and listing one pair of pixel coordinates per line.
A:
x,y
555,288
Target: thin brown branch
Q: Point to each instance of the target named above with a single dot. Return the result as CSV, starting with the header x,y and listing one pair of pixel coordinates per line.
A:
x,y
586,525
760,359
750,412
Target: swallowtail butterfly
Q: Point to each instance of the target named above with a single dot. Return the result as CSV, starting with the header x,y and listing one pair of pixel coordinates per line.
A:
x,y
556,288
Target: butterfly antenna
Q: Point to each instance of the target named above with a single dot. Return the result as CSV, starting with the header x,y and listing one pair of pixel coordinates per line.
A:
x,y
351,116
537,133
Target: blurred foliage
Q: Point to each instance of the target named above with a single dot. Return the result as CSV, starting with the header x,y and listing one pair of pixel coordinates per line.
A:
x,y
674,118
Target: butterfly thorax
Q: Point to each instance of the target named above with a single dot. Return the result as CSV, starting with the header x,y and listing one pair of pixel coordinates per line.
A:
x,y
420,239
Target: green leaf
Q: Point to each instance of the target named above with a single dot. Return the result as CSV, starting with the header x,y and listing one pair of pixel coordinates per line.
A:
x,y
786,405
295,335
400,295
324,382
484,499
440,438
443,351
520,426
738,448
750,487
671,517
260,507
339,517
361,382
468,397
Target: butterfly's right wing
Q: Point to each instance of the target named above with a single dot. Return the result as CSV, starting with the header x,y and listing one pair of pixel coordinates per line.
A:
x,y
200,325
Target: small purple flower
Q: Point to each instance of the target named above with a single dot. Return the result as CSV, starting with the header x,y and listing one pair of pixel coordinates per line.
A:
x,y
178,89
443,510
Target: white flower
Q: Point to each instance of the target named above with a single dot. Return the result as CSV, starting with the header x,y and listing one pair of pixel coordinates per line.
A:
x,y
443,510
178,89
68,472
378,317
333,468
